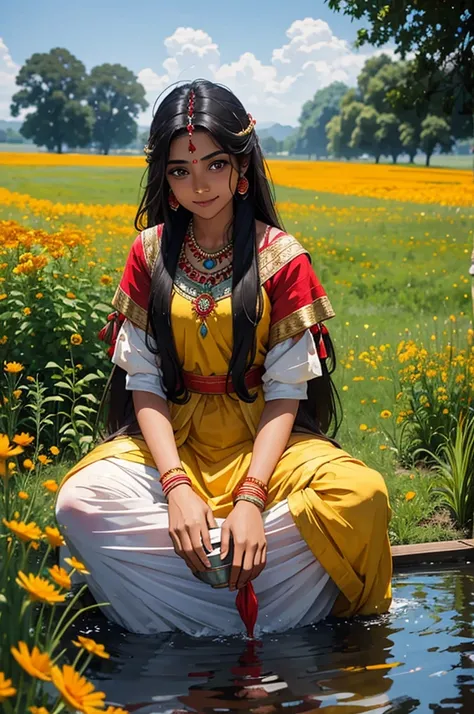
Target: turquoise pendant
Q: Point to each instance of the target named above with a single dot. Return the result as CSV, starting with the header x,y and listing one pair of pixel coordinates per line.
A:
x,y
203,329
209,263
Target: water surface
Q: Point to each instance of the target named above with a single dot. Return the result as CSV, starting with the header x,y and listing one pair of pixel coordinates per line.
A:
x,y
417,658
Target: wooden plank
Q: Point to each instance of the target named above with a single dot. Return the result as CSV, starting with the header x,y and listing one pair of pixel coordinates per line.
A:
x,y
451,551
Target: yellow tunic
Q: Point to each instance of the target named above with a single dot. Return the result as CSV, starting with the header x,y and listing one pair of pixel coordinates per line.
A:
x,y
339,505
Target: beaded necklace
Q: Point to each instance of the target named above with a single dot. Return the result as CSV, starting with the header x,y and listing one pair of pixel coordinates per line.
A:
x,y
208,259
207,288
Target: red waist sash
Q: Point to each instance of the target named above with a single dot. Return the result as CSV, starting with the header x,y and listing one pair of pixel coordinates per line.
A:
x,y
216,383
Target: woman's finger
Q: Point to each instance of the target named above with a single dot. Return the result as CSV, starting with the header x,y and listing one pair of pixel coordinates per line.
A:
x,y
211,521
247,567
178,549
236,565
190,553
259,563
196,536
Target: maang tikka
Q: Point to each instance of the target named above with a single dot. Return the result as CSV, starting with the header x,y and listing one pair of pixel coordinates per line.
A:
x,y
190,125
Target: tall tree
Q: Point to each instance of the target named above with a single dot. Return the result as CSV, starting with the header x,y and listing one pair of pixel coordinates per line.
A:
x,y
53,84
435,132
439,34
315,115
116,97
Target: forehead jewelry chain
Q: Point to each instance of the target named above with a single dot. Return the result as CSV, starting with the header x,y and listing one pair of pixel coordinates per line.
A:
x,y
190,125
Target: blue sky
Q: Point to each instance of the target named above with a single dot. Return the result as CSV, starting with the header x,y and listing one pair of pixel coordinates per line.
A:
x,y
275,55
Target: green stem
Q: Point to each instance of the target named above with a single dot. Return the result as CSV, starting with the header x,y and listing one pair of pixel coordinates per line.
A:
x,y
74,618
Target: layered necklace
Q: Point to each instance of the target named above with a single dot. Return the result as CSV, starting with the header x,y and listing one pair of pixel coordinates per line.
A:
x,y
205,286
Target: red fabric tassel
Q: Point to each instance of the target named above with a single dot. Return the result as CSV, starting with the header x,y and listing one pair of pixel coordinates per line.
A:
x,y
109,332
247,605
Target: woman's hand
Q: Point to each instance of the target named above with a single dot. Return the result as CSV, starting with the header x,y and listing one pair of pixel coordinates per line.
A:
x,y
244,523
188,525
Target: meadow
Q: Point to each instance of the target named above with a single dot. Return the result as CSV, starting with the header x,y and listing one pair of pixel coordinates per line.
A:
x,y
391,246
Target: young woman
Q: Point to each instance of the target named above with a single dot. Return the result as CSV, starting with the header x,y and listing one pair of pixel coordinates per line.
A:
x,y
219,405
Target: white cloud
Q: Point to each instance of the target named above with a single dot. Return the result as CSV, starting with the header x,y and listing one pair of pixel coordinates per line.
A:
x,y
8,72
312,57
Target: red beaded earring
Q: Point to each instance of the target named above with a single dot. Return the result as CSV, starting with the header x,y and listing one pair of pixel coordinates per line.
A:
x,y
173,201
243,186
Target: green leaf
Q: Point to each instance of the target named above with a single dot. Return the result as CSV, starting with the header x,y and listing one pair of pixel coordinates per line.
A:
x,y
52,365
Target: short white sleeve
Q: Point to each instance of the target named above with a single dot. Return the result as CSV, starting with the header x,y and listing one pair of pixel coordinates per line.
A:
x,y
142,366
289,366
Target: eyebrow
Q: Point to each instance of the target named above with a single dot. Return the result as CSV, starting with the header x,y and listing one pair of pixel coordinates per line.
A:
x,y
204,158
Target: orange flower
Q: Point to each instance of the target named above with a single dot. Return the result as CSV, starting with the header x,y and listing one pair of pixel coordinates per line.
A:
x,y
24,531
23,439
76,691
43,459
35,663
38,710
70,295
410,495
114,710
17,393
50,484
27,311
54,537
77,565
39,588
54,450
363,427
76,339
28,464
13,367
60,576
91,646
6,689
23,495
386,414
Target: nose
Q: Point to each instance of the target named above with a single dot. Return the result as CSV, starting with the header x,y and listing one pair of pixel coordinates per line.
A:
x,y
201,190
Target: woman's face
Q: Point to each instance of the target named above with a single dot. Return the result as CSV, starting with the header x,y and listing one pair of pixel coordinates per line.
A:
x,y
204,181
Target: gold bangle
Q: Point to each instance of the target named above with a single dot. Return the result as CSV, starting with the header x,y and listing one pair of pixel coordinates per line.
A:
x,y
174,470
257,481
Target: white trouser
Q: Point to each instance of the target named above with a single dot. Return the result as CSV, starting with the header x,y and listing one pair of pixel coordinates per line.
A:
x,y
115,519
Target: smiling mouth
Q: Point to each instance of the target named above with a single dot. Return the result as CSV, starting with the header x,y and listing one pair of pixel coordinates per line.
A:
x,y
205,203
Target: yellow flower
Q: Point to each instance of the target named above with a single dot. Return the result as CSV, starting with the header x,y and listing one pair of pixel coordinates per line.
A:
x,y
38,296
76,691
28,464
386,414
54,450
345,388
6,451
24,531
27,310
35,663
53,536
383,447
17,393
91,646
51,485
6,689
445,411
76,339
42,458
363,427
60,576
23,495
23,439
409,495
106,280
70,295
77,565
30,379
13,367
114,710
38,710
39,588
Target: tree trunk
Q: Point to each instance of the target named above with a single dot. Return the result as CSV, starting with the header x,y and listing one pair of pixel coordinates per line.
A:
x,y
427,161
377,159
59,147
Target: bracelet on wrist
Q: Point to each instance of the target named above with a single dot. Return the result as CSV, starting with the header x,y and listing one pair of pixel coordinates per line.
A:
x,y
174,470
251,499
174,480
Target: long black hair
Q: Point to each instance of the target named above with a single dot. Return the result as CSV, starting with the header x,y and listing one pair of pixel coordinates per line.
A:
x,y
218,111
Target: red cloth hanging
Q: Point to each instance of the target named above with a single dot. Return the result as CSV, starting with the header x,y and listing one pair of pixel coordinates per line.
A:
x,y
247,605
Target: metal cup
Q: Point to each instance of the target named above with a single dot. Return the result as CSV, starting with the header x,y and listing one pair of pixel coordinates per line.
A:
x,y
218,574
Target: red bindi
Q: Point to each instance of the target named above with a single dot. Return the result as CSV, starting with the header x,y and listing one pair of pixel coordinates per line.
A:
x,y
195,161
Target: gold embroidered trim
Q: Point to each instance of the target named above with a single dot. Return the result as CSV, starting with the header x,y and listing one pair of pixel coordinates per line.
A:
x,y
272,258
150,242
307,316
129,308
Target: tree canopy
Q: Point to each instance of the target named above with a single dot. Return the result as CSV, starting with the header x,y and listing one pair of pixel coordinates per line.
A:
x,y
72,109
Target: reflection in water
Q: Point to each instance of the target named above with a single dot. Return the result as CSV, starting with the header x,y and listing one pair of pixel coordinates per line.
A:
x,y
418,658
